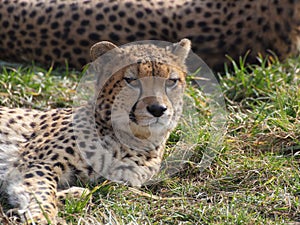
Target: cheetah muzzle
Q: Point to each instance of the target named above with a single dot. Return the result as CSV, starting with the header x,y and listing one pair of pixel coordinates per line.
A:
x,y
119,135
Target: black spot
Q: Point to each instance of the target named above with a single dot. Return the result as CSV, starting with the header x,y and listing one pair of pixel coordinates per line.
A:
x,y
56,52
29,26
117,27
99,17
12,121
23,12
43,44
88,12
54,42
207,14
240,25
216,21
198,9
202,24
260,20
28,41
99,5
28,175
77,50
141,34
139,14
279,10
131,21
48,10
190,24
59,15
54,157
67,55
107,112
152,24
94,37
114,37
130,38
250,34
112,18
40,173
75,16
90,170
106,9
121,13
32,14
277,26
70,150
115,7
43,117
44,126
67,23
32,34
84,43
85,23
100,27
209,4
128,4
230,16
23,4
5,24
263,8
70,42
210,38
10,9
41,156
61,138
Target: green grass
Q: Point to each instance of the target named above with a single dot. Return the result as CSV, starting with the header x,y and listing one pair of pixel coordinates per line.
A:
x,y
254,178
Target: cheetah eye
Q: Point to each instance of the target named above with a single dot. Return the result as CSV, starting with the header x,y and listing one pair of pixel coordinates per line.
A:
x,y
172,82
133,82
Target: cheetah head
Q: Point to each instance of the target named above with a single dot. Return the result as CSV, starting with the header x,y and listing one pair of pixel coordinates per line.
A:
x,y
141,88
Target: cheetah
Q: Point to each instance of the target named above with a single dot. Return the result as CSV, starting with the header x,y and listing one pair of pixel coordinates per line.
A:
x,y
42,152
56,31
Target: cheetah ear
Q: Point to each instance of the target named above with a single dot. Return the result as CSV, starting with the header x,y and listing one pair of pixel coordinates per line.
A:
x,y
101,48
182,49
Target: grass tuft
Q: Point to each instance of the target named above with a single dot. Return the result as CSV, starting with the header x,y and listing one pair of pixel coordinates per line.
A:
x,y
254,178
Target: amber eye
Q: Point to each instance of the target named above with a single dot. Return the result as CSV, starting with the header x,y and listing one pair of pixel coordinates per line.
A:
x,y
133,82
170,83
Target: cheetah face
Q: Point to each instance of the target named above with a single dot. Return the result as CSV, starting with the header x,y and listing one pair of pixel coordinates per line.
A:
x,y
150,102
154,92
145,95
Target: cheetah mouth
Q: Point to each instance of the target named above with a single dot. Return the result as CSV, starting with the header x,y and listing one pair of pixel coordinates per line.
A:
x,y
149,122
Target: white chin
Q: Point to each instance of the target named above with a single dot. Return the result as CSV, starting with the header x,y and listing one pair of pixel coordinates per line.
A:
x,y
155,122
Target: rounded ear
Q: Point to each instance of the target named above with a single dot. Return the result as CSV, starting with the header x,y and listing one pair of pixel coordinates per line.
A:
x,y
182,49
100,48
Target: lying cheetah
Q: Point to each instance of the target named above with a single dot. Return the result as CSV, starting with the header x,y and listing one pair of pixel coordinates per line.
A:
x,y
42,151
60,30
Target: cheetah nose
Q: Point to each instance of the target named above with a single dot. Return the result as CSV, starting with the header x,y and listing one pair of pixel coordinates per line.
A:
x,y
156,110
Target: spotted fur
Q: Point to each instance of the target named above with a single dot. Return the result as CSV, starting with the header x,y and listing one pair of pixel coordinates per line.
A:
x,y
42,151
58,30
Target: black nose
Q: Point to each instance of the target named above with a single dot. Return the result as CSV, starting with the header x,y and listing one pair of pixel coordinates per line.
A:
x,y
156,110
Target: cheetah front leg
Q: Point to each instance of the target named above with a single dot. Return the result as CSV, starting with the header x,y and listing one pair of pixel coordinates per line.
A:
x,y
32,188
